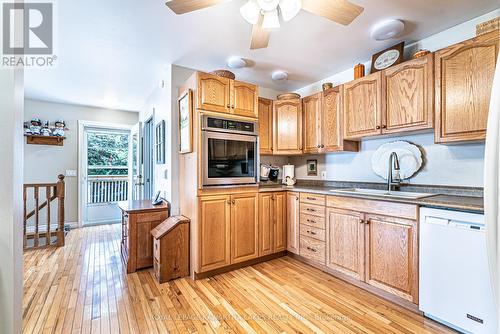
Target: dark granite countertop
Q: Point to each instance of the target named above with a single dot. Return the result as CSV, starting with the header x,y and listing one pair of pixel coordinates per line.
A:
x,y
440,200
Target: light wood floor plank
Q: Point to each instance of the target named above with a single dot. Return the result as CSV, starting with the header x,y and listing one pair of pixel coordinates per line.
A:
x,y
83,288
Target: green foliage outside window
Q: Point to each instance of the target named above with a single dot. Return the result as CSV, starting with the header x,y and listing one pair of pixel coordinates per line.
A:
x,y
107,153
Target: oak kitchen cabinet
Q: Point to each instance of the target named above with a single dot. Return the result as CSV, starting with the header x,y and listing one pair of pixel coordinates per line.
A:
x,y
228,230
464,79
312,227
226,95
408,96
375,242
265,126
323,123
272,222
292,222
363,106
287,122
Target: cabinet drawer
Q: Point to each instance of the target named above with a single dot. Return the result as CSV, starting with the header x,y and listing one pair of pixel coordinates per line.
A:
x,y
314,221
312,249
313,199
151,216
311,209
312,232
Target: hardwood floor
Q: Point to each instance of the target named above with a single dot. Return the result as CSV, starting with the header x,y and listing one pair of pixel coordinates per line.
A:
x,y
83,288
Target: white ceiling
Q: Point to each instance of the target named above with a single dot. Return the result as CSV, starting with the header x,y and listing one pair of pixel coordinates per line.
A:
x,y
111,53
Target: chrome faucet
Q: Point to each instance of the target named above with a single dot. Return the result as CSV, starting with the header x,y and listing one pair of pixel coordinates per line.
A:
x,y
393,181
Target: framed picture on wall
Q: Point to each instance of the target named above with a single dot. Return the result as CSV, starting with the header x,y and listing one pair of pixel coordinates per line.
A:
x,y
312,167
186,122
160,142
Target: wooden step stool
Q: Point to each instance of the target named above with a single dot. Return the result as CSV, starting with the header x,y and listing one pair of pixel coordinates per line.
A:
x,y
171,249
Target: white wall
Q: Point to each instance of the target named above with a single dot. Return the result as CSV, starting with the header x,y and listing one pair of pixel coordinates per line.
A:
x,y
446,165
11,179
56,160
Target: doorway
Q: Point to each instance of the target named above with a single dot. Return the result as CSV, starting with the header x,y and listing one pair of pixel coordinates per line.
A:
x,y
104,173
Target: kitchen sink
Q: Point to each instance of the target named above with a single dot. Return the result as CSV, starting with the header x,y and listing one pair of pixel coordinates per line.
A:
x,y
384,193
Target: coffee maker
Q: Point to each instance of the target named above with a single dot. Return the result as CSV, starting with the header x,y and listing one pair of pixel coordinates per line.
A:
x,y
288,171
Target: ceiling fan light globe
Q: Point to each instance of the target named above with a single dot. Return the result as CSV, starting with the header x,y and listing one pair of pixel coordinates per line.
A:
x,y
250,11
271,20
290,8
268,5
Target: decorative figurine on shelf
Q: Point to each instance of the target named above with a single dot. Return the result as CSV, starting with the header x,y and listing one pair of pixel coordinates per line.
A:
x,y
59,128
35,127
45,129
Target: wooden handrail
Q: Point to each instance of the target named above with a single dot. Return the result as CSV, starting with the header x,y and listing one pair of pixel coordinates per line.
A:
x,y
52,191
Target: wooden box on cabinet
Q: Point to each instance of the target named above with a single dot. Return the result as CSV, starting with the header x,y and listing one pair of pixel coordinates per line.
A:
x,y
171,249
265,126
226,95
464,79
272,222
138,219
287,121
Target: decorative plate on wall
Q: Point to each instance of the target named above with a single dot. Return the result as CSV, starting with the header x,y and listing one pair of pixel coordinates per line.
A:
x,y
409,155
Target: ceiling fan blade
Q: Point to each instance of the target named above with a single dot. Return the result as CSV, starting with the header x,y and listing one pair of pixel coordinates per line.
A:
x,y
260,36
340,11
186,6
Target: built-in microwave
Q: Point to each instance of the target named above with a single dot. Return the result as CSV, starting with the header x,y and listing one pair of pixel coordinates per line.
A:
x,y
230,151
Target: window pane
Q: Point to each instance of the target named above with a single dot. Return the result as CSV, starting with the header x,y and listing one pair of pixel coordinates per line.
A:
x,y
107,149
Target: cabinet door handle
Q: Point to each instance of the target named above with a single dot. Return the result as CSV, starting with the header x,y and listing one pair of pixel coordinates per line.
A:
x,y
228,106
297,198
322,146
228,202
311,249
311,221
378,127
311,198
361,221
311,210
311,232
384,126
234,202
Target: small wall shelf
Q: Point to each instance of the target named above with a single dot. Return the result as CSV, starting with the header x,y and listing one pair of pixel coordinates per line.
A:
x,y
44,140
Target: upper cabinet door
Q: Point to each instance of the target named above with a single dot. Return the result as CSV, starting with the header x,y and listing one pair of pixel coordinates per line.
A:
x,y
464,79
312,123
363,107
331,136
244,99
265,126
408,96
287,132
213,93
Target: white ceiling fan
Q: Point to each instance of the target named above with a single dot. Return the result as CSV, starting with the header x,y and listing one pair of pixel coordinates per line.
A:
x,y
264,14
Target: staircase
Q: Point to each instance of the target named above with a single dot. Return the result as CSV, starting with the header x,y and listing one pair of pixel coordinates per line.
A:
x,y
51,231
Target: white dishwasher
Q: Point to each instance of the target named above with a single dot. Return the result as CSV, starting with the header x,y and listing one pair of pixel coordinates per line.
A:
x,y
454,280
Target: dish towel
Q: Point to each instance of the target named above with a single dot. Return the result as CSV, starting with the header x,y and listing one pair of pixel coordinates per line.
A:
x,y
492,189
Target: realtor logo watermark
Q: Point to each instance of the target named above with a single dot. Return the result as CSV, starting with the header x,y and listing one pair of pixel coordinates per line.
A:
x,y
28,34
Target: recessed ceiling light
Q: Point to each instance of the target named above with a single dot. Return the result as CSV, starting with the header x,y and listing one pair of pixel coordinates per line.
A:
x,y
236,62
279,75
387,29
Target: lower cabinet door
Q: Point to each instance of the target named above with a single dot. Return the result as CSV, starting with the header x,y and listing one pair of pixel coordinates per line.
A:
x,y
266,224
244,227
392,255
214,232
346,242
145,223
292,222
279,222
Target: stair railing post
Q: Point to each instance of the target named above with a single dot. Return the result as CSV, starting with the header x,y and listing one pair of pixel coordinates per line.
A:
x,y
60,210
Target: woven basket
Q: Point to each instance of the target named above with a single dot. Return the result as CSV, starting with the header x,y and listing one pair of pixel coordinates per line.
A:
x,y
289,96
224,74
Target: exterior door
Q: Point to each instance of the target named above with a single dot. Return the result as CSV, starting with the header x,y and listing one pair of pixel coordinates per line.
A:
x,y
136,184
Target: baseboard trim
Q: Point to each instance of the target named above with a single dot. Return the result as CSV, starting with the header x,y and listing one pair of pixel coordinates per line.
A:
x,y
351,280
238,265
